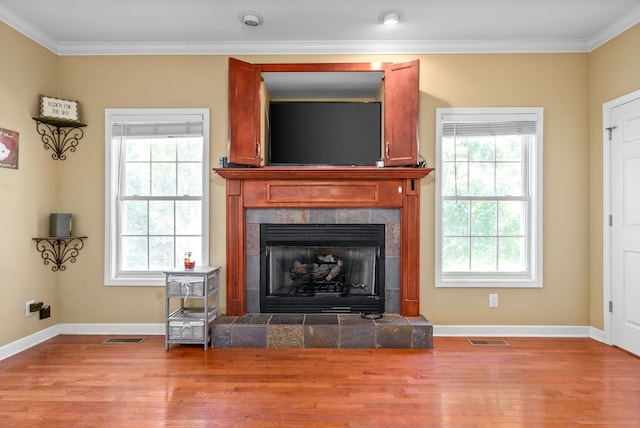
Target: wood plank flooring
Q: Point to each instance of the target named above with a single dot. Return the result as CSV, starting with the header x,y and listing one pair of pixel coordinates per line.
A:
x,y
77,381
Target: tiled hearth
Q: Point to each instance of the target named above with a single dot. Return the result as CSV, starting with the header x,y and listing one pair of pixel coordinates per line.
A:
x,y
255,330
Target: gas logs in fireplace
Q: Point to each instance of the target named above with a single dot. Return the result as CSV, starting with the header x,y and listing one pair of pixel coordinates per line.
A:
x,y
326,274
322,268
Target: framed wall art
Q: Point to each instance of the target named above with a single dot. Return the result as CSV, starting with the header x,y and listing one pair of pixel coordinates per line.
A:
x,y
8,148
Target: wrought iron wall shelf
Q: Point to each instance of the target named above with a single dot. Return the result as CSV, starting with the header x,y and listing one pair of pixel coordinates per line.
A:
x,y
59,135
59,250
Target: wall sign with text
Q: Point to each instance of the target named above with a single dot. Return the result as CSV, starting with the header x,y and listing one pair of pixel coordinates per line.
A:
x,y
56,108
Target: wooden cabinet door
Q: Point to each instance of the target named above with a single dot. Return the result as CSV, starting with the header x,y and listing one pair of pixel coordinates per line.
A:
x,y
401,100
244,113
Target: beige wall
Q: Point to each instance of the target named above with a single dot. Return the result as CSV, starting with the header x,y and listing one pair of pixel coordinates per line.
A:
x,y
29,193
558,82
614,71
125,82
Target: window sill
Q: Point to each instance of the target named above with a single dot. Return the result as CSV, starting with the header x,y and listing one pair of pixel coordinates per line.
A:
x,y
488,284
135,282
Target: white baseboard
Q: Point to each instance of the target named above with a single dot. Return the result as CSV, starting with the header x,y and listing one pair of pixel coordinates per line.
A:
x,y
34,339
111,328
597,334
517,331
27,342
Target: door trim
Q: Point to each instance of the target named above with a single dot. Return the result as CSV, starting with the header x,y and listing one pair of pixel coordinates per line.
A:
x,y
606,205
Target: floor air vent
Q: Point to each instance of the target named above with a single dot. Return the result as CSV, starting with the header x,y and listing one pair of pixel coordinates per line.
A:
x,y
124,340
484,342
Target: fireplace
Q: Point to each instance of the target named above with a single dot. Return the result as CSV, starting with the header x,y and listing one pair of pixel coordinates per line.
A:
x,y
341,188
309,268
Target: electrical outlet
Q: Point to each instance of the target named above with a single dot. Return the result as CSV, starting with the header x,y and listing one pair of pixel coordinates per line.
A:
x,y
45,312
27,310
493,300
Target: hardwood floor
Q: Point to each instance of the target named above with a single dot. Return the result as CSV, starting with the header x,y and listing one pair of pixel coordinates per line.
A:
x,y
77,381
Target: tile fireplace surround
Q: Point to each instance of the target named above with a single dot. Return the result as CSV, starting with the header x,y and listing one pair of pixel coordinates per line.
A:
x,y
390,217
313,194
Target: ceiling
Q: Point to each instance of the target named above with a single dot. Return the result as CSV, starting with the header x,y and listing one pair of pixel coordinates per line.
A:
x,y
105,27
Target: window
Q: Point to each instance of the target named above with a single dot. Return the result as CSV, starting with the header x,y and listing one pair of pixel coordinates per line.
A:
x,y
489,197
156,192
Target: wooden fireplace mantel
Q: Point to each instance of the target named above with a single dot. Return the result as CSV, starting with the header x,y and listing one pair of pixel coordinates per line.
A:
x,y
324,187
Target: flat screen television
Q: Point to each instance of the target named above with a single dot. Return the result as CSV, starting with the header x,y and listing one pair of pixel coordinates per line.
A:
x,y
324,133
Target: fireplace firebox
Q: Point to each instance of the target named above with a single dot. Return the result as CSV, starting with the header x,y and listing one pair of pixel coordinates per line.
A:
x,y
311,268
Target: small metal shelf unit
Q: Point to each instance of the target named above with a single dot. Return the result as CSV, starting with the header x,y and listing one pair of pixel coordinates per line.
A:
x,y
192,299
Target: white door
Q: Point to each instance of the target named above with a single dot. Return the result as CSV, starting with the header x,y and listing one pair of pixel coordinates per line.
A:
x,y
625,225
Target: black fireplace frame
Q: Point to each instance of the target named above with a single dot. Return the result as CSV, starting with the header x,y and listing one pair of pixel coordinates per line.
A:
x,y
323,235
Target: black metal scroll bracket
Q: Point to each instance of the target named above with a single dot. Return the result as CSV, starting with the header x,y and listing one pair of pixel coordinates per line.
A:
x,y
59,250
59,135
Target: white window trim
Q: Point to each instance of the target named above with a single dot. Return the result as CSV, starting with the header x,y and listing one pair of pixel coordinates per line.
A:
x,y
534,278
111,182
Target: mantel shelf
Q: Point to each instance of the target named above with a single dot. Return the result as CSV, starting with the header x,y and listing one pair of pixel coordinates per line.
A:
x,y
59,135
59,250
322,172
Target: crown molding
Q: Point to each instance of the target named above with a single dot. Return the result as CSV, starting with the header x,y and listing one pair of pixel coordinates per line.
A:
x,y
324,47
320,47
26,28
616,28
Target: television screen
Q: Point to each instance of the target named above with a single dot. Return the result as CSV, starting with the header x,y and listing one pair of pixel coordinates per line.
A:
x,y
324,133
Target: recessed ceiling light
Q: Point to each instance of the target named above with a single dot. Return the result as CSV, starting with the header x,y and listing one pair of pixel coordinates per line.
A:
x,y
251,19
390,17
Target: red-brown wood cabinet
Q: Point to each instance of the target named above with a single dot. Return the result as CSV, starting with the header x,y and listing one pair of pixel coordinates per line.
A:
x,y
317,186
400,111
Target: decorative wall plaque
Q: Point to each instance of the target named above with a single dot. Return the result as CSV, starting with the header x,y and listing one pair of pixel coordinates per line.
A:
x,y
8,148
56,108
